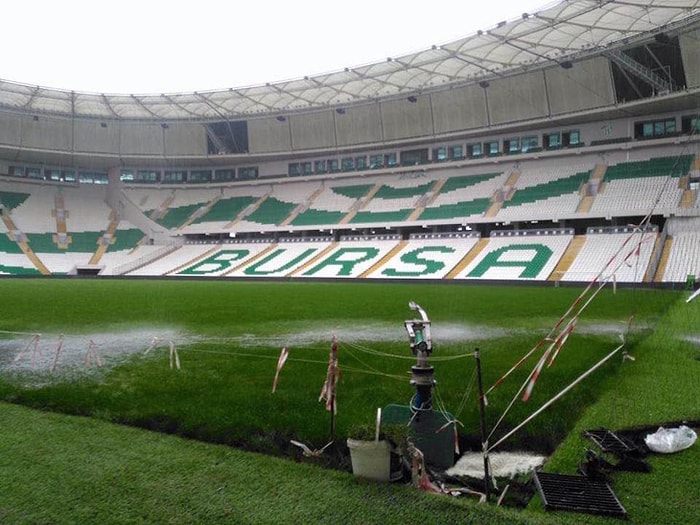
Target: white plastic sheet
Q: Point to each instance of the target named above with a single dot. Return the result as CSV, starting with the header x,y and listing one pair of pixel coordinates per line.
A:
x,y
669,440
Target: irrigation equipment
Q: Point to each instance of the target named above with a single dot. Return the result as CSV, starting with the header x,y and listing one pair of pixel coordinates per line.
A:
x,y
432,435
421,346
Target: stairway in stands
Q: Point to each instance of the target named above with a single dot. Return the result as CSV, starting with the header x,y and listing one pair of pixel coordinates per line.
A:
x,y
22,243
247,211
591,188
313,260
663,260
468,258
303,206
105,240
394,250
427,199
502,194
60,214
568,258
360,204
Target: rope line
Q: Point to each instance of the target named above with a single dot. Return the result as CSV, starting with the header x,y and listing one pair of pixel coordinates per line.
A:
x,y
466,394
639,229
377,353
555,397
299,360
528,379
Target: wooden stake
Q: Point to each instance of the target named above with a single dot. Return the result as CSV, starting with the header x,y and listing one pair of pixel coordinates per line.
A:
x,y
58,352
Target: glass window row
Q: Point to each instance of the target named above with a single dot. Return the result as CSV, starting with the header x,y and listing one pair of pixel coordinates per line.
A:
x,y
443,153
58,175
665,127
188,176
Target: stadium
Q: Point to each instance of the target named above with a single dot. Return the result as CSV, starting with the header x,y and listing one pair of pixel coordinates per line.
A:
x,y
549,157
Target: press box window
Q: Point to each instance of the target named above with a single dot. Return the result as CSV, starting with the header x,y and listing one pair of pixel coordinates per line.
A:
x,y
414,157
654,128
440,154
148,176
511,145
224,175
528,144
248,172
551,140
690,124
571,138
174,176
376,161
347,164
200,176
474,150
91,177
455,152
491,147
51,174
34,173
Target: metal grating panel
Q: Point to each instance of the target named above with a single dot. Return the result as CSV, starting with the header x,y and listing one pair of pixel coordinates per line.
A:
x,y
609,441
577,493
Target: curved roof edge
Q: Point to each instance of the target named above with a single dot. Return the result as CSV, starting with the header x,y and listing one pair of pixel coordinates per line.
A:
x,y
569,30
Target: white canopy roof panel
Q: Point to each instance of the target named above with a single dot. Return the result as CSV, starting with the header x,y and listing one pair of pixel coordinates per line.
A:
x,y
569,30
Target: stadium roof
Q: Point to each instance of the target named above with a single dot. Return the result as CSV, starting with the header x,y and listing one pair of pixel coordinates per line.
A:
x,y
569,30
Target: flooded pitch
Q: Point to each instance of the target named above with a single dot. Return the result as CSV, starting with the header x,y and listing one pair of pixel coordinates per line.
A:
x,y
35,352
362,331
26,352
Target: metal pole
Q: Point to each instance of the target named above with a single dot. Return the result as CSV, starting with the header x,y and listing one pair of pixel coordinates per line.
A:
x,y
482,422
560,394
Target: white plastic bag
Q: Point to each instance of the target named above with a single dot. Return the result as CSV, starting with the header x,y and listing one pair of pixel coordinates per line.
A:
x,y
669,440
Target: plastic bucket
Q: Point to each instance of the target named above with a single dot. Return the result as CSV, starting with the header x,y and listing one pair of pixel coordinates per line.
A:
x,y
370,459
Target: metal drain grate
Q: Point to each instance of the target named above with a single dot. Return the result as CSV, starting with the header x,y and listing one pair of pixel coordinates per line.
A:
x,y
609,441
577,493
